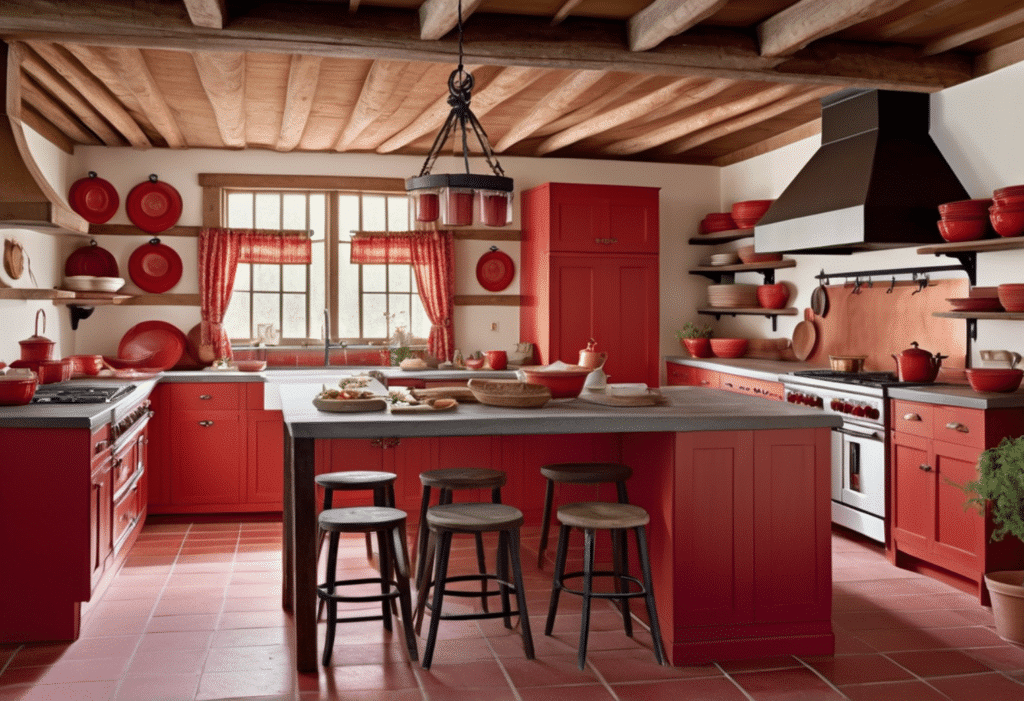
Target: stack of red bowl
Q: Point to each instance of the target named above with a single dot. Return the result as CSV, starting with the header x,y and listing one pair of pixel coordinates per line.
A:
x,y
1007,214
749,212
717,221
964,220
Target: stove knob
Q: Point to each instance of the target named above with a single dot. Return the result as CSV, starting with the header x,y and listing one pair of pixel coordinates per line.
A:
x,y
858,411
819,402
872,413
847,408
835,405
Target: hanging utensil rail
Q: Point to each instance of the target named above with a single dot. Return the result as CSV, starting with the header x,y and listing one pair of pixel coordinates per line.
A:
x,y
965,266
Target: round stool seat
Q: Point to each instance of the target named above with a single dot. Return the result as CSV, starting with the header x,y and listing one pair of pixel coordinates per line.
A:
x,y
355,479
474,517
586,472
463,478
360,519
602,515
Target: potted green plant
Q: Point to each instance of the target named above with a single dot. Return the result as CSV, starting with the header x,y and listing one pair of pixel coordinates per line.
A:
x,y
696,339
1000,487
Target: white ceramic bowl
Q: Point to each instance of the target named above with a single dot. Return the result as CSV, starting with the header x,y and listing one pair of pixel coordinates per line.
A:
x,y
79,283
106,284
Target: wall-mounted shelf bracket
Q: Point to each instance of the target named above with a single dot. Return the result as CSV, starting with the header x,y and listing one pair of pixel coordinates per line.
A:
x,y
773,314
972,330
968,261
78,312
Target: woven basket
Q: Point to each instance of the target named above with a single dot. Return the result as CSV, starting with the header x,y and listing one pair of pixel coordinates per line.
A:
x,y
509,393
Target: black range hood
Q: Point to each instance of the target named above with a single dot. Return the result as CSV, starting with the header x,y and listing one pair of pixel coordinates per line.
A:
x,y
875,182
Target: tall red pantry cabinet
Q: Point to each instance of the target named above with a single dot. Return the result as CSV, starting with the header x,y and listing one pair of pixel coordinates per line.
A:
x,y
590,270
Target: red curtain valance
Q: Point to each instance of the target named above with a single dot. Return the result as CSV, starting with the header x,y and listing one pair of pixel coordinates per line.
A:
x,y
263,246
380,248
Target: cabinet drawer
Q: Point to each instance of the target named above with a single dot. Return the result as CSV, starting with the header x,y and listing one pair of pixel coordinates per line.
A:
x,y
959,425
751,387
211,396
124,466
127,510
912,417
100,444
678,374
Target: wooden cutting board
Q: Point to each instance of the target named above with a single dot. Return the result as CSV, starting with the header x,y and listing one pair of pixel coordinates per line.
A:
x,y
651,398
460,394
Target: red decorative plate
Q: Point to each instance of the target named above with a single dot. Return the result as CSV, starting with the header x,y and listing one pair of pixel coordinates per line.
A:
x,y
94,199
158,343
495,270
155,267
153,206
91,260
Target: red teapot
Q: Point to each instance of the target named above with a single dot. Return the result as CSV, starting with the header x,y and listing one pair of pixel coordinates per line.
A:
x,y
590,358
917,365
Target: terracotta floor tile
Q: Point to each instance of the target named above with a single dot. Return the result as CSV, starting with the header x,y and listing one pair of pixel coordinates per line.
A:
x,y
104,626
849,644
253,619
176,662
858,669
640,664
97,670
64,692
251,682
977,687
249,637
173,624
1008,658
194,640
35,654
158,687
483,674
799,683
705,689
239,659
363,695
589,692
394,675
180,606
901,639
547,671
768,663
893,691
937,663
253,603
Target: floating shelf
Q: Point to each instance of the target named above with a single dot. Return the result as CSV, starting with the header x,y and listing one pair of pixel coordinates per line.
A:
x,y
717,272
92,299
717,237
980,246
773,314
34,293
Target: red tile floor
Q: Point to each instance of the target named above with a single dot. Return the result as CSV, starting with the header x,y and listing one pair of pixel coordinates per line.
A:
x,y
195,614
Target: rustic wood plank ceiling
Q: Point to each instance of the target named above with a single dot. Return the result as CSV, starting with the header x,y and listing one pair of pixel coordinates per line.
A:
x,y
674,81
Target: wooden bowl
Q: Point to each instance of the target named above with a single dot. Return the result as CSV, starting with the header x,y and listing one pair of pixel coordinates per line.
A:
x,y
509,393
847,363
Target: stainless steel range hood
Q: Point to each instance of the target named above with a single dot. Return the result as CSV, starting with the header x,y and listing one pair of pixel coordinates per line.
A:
x,y
26,199
875,182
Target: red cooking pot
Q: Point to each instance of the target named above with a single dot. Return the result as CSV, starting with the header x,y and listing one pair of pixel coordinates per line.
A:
x,y
917,365
37,347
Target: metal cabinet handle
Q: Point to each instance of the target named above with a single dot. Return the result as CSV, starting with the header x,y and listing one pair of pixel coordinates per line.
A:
x,y
101,446
606,241
957,426
205,396
206,424
728,384
911,417
925,467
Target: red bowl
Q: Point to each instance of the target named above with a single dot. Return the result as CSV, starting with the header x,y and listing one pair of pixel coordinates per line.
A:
x,y
562,383
474,363
1007,222
1009,191
17,392
773,296
962,229
747,255
728,347
979,206
251,365
994,379
974,304
697,347
1011,296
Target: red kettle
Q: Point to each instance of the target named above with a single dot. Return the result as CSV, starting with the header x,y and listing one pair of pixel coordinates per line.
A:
x,y
917,365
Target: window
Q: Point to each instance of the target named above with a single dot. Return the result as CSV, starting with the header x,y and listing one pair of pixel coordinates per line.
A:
x,y
365,302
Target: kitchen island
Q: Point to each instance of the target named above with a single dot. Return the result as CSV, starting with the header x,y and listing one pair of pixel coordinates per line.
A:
x,y
738,490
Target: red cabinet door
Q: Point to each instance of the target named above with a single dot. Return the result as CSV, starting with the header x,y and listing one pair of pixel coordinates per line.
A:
x,y
208,458
603,218
614,300
676,374
265,482
959,532
913,494
100,522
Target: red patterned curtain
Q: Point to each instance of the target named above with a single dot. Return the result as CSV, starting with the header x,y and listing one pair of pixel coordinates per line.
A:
x,y
432,256
220,252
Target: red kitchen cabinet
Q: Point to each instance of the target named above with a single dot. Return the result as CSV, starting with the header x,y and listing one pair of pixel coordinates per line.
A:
x,y
692,376
100,523
751,386
590,270
935,450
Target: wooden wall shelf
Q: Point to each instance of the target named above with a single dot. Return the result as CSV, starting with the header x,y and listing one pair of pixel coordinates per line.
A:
x,y
718,272
33,293
980,246
717,237
92,299
773,314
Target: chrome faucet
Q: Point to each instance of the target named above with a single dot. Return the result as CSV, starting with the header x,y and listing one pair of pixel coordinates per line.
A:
x,y
327,337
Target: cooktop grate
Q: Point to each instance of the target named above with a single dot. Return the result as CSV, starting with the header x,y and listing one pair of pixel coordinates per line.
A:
x,y
80,394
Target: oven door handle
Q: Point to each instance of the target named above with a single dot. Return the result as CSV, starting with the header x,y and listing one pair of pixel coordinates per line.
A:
x,y
873,435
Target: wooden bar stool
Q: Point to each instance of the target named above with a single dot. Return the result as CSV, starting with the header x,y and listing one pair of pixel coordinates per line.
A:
x,y
578,473
591,517
446,481
447,519
389,525
382,484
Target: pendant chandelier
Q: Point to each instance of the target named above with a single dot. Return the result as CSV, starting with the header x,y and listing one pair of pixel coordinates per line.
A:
x,y
451,197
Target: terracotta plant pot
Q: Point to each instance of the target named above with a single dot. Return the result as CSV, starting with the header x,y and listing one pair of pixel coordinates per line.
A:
x,y
697,347
1007,603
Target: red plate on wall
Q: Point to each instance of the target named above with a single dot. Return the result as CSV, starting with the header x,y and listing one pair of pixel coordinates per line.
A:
x,y
153,206
94,199
155,267
158,343
495,270
91,260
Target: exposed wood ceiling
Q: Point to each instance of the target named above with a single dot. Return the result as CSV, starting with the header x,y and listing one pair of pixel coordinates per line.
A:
x,y
676,81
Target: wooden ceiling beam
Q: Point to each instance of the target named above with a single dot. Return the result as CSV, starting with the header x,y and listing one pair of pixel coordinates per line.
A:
x,y
550,107
93,91
30,117
57,114
915,19
618,91
686,91
696,121
666,18
563,11
503,86
979,31
999,57
798,25
223,77
393,34
804,131
62,90
129,65
353,6
743,121
438,17
375,94
207,13
303,77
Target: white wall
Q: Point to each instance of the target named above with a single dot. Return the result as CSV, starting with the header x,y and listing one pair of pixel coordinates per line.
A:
x,y
977,127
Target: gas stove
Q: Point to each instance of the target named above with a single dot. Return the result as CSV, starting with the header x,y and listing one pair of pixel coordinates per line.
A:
x,y
80,394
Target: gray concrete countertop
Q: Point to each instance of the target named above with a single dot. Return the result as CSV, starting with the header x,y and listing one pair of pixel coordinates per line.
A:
x,y
959,395
211,376
330,370
747,367
74,415
688,409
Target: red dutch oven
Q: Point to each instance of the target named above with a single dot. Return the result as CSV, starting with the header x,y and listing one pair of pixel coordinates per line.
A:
x,y
37,347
